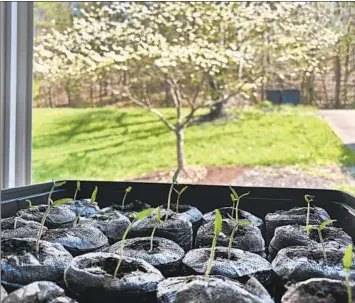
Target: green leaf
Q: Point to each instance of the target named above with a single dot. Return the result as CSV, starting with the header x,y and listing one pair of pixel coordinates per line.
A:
x,y
233,197
143,213
233,191
93,195
326,223
308,198
158,214
59,184
244,195
183,189
309,228
78,185
61,201
128,189
245,222
218,222
348,257
176,174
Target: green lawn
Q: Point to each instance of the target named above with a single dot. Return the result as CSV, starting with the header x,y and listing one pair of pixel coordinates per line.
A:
x,y
114,144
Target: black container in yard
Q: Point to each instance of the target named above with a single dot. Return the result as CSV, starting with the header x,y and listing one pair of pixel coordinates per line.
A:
x,y
262,200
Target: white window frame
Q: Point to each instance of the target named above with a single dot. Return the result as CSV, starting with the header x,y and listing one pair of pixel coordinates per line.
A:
x,y
16,73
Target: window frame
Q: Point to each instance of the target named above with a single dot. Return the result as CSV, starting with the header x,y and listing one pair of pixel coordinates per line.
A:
x,y
16,80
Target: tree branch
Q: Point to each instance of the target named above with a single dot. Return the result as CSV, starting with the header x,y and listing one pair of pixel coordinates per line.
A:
x,y
151,109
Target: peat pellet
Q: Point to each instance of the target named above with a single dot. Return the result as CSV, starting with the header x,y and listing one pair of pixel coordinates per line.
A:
x,y
21,265
78,240
247,237
91,277
295,235
176,228
111,223
293,216
3,293
242,216
16,227
58,217
83,207
38,292
240,265
166,255
300,263
214,289
191,213
318,290
129,209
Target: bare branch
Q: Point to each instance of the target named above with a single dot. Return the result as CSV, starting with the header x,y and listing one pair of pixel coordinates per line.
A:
x,y
151,109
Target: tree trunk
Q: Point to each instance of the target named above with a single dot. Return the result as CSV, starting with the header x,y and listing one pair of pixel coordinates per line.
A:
x,y
337,69
180,148
50,97
67,89
346,71
219,110
310,88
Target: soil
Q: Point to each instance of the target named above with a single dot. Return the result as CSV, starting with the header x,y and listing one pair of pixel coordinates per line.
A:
x,y
287,176
318,290
109,266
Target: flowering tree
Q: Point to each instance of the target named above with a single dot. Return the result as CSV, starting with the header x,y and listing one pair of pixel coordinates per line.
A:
x,y
202,53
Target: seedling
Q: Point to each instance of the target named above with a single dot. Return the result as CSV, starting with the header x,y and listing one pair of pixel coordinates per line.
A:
x,y
308,199
347,262
174,181
49,207
92,201
234,230
236,200
179,193
319,228
158,221
217,230
30,207
77,189
136,217
128,189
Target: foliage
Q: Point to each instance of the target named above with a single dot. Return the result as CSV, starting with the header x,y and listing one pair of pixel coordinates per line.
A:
x,y
202,53
236,200
136,217
128,190
158,221
308,199
218,221
179,193
77,189
174,181
50,204
92,202
319,228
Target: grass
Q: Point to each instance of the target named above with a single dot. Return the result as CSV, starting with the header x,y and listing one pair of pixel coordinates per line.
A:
x,y
115,144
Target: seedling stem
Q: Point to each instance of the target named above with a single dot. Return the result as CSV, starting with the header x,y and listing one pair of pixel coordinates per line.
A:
x,y
92,201
137,217
179,193
217,230
308,199
319,228
174,181
50,205
77,189
128,189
